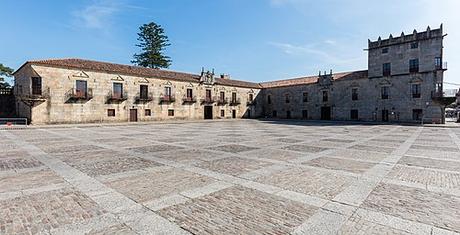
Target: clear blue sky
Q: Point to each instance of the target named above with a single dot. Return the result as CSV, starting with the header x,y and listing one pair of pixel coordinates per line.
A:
x,y
254,40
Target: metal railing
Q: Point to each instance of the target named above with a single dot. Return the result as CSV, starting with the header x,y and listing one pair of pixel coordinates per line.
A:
x,y
442,66
117,96
189,99
143,97
222,101
208,100
167,98
76,94
234,102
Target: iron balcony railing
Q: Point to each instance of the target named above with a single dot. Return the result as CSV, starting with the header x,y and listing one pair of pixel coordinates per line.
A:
x,y
234,102
77,94
441,66
167,98
143,97
208,100
117,96
189,99
222,101
251,102
43,94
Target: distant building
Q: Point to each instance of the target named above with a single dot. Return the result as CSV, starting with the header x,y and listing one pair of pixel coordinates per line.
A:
x,y
403,81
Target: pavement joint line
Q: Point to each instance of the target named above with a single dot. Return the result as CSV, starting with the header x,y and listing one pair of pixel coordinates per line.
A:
x,y
30,191
319,223
70,175
431,188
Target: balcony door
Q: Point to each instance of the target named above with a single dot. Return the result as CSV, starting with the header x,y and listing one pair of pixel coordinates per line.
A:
x,y
81,88
36,86
144,91
118,90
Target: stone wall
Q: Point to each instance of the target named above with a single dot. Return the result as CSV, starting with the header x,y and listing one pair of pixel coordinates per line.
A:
x,y
57,108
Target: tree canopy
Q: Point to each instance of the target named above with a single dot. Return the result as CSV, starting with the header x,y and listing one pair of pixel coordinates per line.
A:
x,y
5,72
152,41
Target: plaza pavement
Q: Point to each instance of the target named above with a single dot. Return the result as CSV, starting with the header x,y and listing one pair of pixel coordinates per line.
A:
x,y
230,177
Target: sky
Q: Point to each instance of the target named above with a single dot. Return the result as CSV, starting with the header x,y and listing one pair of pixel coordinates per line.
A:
x,y
252,40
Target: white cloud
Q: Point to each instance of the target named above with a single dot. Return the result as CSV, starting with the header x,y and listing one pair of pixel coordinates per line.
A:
x,y
311,50
97,15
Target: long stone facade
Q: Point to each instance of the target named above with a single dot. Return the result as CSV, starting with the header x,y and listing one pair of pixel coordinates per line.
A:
x,y
403,81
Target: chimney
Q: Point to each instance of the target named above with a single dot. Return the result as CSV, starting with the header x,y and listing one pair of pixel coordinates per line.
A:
x,y
225,76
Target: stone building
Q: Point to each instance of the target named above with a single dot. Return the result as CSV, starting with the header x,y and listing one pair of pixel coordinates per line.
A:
x,y
402,84
403,81
83,91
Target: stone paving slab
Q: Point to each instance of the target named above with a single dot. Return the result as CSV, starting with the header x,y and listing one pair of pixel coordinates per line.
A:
x,y
239,210
418,205
232,177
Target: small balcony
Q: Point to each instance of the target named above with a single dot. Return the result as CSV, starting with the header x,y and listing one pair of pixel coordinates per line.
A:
x,y
441,66
235,102
440,98
251,103
141,98
35,97
222,101
208,100
189,99
167,98
74,95
117,97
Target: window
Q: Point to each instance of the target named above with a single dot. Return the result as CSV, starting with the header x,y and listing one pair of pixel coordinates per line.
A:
x,y
386,69
233,97
168,91
208,94
305,97
325,96
222,96
385,92
414,45
413,66
36,86
438,62
189,93
354,114
222,113
417,114
288,114
415,91
144,91
305,114
171,112
274,114
111,112
148,112
251,97
80,88
269,99
118,90
384,50
287,98
354,94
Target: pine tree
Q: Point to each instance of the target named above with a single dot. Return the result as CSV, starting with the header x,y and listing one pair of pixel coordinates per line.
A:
x,y
5,71
152,41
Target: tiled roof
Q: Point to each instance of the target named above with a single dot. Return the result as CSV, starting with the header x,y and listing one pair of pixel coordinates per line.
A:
x,y
117,68
231,82
180,76
313,79
135,71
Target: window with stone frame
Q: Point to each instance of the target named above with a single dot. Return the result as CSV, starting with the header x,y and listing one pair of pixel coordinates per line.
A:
x,y
170,112
417,114
354,94
168,91
189,93
269,99
222,113
325,96
250,97
148,112
354,114
416,91
233,97
414,45
117,90
385,92
386,68
111,112
36,85
385,50
144,91
305,97
438,62
274,114
414,66
287,98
